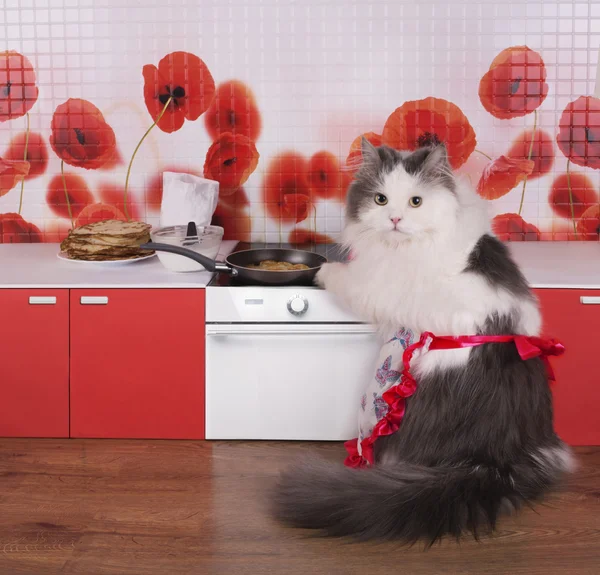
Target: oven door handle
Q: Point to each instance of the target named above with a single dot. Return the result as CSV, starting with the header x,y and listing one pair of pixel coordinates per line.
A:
x,y
288,330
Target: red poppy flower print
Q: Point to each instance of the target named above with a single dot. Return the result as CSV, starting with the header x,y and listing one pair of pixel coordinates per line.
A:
x,y
240,198
513,228
354,159
428,122
11,172
582,191
286,191
234,110
113,194
15,230
558,230
80,135
230,160
295,207
300,237
114,162
588,226
185,79
325,176
55,231
37,153
77,190
347,179
515,84
237,202
18,91
234,219
542,152
579,132
501,175
98,212
154,191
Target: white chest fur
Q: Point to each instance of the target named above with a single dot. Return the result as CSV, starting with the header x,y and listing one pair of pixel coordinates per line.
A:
x,y
424,287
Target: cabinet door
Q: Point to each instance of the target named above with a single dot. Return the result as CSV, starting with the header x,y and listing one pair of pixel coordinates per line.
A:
x,y
567,317
34,363
137,363
300,382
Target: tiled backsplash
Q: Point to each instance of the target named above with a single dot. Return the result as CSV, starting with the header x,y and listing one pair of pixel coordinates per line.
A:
x,y
268,96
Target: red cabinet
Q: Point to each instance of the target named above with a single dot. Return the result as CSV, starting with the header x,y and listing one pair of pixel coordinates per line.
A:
x,y
34,363
573,317
137,363
129,363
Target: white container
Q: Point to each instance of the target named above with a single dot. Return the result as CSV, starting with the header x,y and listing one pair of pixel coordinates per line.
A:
x,y
207,242
187,198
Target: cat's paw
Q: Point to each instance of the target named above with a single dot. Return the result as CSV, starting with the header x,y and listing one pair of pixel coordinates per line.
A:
x,y
327,274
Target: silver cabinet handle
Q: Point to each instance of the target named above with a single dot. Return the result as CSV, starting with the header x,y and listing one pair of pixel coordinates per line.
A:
x,y
334,331
589,300
93,300
42,300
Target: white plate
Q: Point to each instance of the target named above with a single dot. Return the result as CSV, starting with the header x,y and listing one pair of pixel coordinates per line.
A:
x,y
107,263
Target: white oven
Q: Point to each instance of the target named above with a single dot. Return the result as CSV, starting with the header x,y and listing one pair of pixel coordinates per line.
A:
x,y
284,363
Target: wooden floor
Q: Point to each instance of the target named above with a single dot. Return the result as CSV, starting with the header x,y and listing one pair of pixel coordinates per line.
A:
x,y
158,507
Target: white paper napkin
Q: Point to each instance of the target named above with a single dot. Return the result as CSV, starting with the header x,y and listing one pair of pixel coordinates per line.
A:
x,y
187,198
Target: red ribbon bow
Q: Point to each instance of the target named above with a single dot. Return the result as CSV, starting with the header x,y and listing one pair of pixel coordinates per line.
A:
x,y
528,347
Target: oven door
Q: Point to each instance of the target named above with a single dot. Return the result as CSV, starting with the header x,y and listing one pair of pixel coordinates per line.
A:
x,y
287,381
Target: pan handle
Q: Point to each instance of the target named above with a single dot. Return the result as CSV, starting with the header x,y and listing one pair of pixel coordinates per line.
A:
x,y
210,265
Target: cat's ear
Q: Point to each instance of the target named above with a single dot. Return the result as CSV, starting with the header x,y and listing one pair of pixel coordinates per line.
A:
x,y
429,159
437,160
369,152
436,167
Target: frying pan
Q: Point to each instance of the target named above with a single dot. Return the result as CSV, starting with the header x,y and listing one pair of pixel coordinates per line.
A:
x,y
236,264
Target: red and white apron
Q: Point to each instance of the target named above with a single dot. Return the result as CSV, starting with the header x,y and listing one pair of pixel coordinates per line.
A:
x,y
384,403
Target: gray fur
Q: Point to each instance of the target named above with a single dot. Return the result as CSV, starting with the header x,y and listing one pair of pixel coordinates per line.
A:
x,y
491,259
376,163
476,440
429,164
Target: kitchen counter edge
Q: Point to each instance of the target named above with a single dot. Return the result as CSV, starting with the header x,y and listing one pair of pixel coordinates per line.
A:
x,y
546,265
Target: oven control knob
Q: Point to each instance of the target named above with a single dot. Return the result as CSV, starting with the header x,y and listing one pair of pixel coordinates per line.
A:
x,y
297,305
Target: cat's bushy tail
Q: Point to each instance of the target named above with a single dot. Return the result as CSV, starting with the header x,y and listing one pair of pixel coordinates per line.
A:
x,y
409,502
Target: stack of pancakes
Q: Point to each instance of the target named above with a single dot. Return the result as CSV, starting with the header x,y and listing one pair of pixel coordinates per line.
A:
x,y
107,240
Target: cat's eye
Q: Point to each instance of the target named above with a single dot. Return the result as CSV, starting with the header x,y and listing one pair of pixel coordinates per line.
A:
x,y
415,201
381,200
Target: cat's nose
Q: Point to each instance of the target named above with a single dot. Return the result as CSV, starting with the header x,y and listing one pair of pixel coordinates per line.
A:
x,y
395,221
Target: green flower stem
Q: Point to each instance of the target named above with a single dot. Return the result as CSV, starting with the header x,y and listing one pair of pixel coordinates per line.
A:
x,y
62,175
483,154
24,159
535,118
162,112
571,197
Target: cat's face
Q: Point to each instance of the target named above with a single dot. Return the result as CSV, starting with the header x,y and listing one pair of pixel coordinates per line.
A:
x,y
402,195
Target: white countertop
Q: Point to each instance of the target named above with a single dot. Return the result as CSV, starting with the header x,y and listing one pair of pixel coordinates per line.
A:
x,y
567,265
37,266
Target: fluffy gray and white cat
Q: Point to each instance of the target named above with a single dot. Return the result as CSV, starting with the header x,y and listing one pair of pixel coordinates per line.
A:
x,y
477,437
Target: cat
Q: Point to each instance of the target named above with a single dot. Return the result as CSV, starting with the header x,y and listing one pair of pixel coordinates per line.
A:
x,y
477,439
